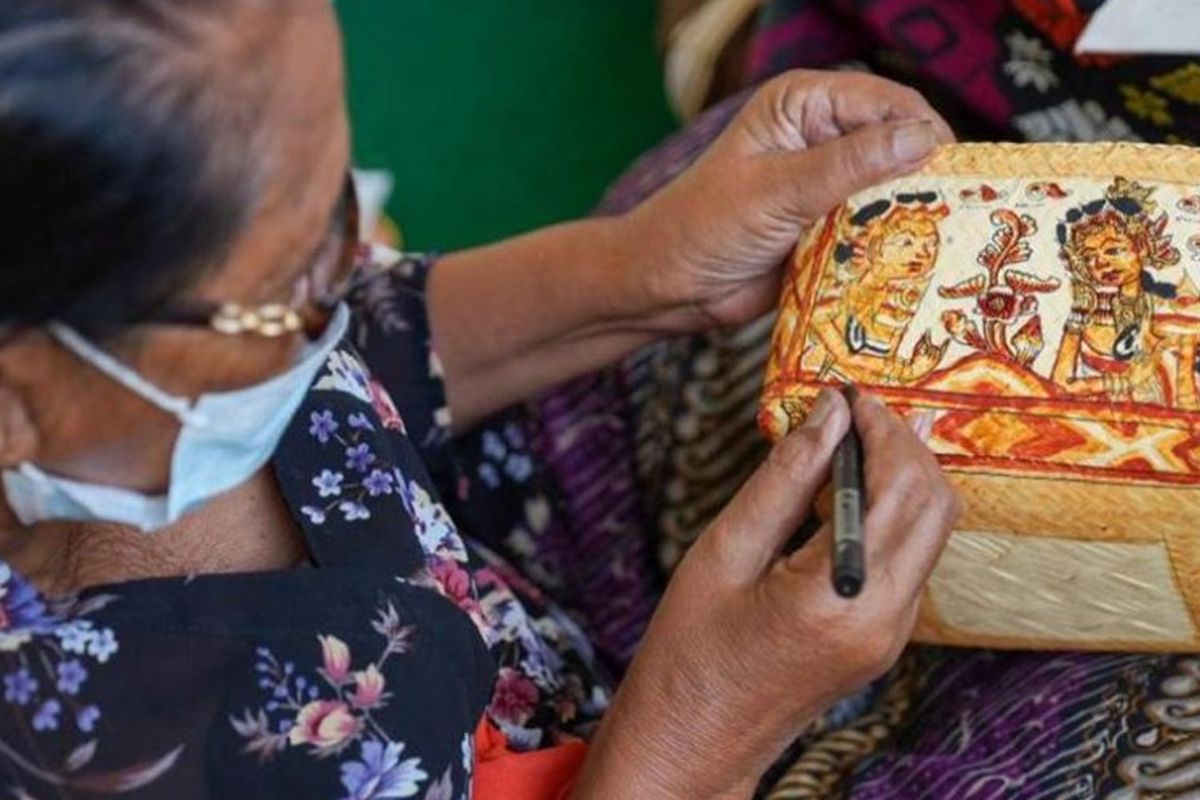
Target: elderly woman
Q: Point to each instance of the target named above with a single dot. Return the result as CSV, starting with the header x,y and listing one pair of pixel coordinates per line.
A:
x,y
227,570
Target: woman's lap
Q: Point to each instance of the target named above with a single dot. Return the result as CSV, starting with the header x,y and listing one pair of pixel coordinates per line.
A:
x,y
674,423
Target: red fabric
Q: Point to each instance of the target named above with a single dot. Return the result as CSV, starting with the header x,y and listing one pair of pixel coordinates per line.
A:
x,y
502,774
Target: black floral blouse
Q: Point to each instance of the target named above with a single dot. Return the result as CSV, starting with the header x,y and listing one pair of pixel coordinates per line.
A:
x,y
361,676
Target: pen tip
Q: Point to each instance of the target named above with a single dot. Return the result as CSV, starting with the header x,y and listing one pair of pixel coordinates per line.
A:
x,y
847,585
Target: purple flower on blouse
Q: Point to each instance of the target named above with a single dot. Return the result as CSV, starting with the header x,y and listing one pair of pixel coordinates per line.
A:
x,y
380,773
323,425
21,607
19,687
71,675
514,435
329,483
379,482
46,718
359,457
87,718
360,422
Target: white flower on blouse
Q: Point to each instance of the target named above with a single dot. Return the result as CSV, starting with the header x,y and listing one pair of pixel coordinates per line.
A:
x,y
468,753
435,530
345,374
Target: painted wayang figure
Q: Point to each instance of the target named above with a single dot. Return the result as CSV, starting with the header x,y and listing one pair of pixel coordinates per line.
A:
x,y
1129,336
884,264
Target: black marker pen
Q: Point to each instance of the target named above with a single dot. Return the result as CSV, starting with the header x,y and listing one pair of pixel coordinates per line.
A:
x,y
849,557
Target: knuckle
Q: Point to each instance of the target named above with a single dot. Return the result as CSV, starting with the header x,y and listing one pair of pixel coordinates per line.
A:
x,y
949,502
792,459
872,648
909,96
908,479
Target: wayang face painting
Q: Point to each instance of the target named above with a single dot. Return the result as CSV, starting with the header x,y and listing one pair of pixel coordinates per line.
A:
x,y
1044,302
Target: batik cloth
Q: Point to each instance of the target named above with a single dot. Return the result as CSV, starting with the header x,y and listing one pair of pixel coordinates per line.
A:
x,y
946,723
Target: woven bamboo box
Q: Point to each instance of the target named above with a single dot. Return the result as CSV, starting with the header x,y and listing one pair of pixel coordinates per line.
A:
x,y
1043,302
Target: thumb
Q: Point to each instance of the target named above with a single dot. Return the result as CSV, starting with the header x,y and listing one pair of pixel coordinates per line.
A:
x,y
819,179
752,530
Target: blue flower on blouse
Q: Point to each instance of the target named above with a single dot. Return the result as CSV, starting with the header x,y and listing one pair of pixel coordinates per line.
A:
x,y
487,471
379,482
329,483
317,515
359,457
381,774
46,718
518,467
352,511
102,645
86,718
493,446
71,675
19,687
323,425
74,636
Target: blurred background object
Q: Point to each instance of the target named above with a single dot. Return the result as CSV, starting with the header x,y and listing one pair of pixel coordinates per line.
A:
x,y
498,117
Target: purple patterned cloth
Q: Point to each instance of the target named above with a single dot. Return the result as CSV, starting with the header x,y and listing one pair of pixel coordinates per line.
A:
x,y
947,723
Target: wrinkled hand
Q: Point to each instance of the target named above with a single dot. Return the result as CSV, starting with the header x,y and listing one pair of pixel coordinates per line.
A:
x,y
750,645
716,237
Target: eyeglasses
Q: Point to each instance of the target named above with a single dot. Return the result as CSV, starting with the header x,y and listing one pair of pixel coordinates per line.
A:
x,y
329,275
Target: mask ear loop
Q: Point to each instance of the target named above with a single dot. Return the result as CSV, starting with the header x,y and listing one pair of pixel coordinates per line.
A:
x,y
179,407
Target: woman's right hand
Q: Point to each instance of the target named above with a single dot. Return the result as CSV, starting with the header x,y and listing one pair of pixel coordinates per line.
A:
x,y
750,645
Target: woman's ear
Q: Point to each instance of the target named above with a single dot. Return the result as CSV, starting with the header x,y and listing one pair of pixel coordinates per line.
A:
x,y
18,436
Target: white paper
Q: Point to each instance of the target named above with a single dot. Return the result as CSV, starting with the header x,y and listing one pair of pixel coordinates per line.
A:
x,y
1143,27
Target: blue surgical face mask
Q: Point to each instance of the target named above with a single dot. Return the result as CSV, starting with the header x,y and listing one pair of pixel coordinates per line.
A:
x,y
225,439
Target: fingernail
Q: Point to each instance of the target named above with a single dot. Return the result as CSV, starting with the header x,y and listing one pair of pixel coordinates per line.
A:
x,y
821,410
912,141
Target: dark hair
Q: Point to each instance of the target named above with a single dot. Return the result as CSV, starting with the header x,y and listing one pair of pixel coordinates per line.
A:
x,y
124,167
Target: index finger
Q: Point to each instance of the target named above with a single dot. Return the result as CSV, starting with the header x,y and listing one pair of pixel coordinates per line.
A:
x,y
910,504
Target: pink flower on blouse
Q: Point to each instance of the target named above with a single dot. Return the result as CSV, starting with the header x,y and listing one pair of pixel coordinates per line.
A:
x,y
325,724
368,688
497,574
455,583
385,408
515,698
337,658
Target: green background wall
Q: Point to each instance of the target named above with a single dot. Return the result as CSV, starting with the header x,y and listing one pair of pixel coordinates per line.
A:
x,y
497,116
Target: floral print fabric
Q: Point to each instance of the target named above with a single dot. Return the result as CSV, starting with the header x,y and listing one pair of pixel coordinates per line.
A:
x,y
362,677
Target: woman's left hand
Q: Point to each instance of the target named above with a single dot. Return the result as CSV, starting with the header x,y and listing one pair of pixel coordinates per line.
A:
x,y
713,241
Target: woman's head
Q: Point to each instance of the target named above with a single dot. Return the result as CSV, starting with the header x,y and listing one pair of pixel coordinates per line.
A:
x,y
895,241
153,152
1112,257
907,248
1108,243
